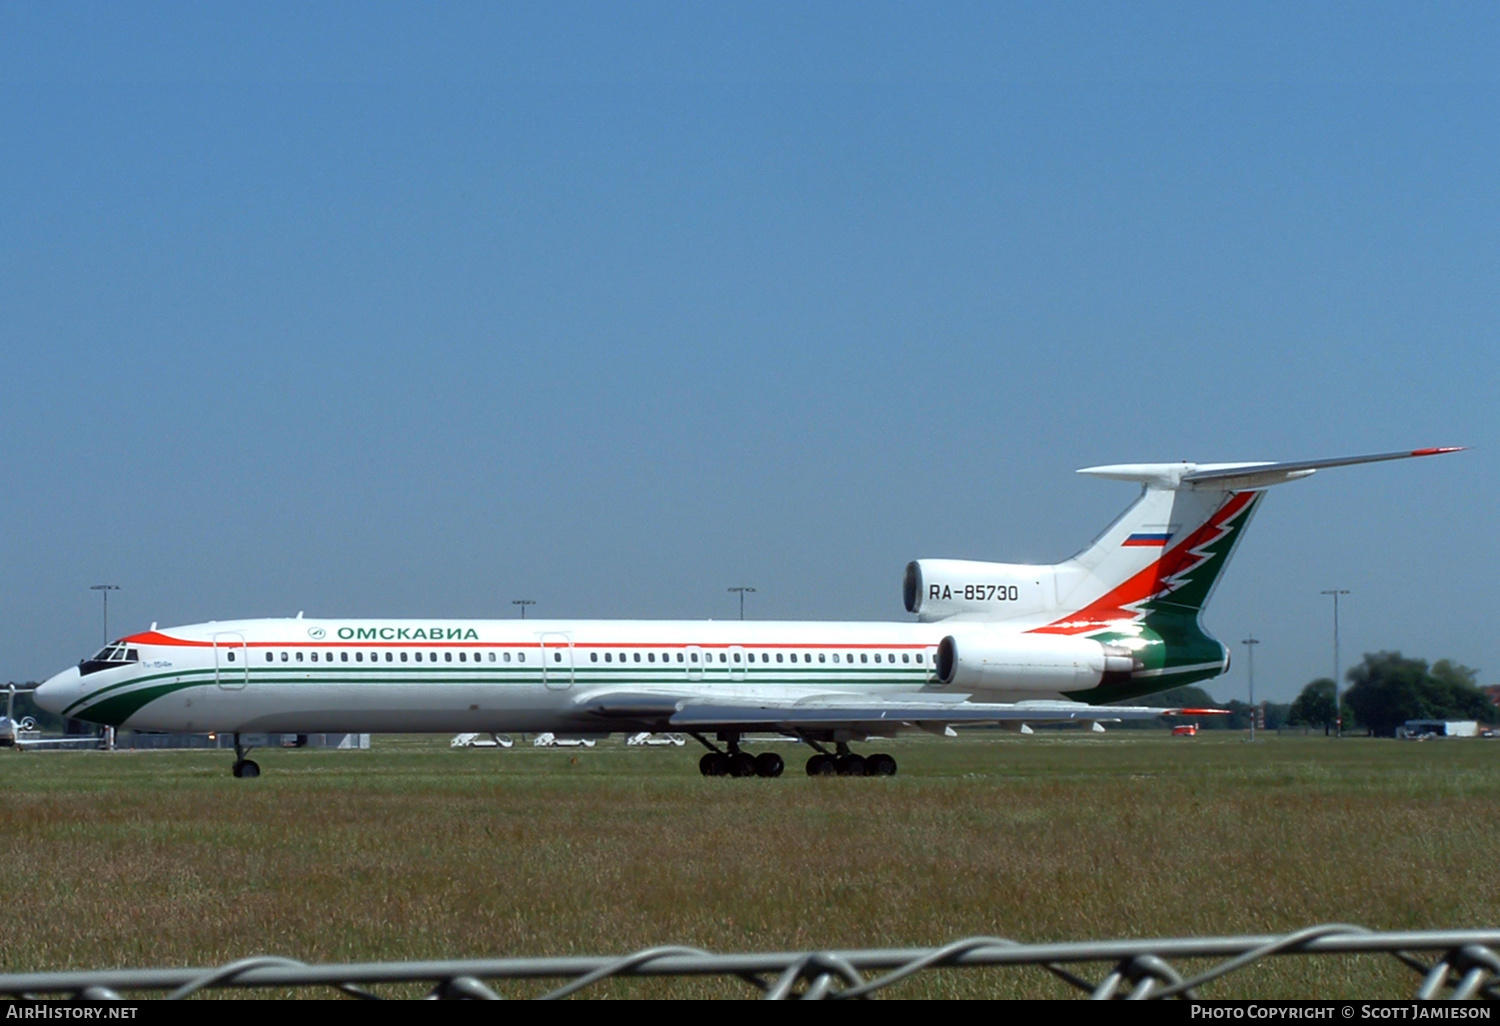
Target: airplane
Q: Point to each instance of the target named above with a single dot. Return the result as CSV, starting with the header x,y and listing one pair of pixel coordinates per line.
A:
x,y
22,734
991,644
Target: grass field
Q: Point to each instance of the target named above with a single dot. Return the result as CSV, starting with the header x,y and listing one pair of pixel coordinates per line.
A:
x,y
412,850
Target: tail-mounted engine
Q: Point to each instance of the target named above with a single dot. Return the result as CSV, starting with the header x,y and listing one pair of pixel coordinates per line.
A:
x,y
936,589
1030,662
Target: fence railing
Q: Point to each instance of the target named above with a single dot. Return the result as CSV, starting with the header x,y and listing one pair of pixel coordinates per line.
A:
x,y
1445,964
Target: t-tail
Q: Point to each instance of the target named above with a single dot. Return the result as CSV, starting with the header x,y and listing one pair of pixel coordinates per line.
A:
x,y
1138,591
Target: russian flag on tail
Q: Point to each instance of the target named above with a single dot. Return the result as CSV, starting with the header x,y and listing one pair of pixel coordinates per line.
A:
x,y
1148,539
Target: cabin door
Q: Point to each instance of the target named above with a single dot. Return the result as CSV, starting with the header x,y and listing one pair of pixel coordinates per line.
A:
x,y
231,661
557,661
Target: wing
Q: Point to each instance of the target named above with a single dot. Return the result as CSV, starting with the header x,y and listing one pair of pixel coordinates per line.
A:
x,y
854,712
58,742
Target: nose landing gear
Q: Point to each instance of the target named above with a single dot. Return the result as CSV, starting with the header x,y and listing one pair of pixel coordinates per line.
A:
x,y
243,768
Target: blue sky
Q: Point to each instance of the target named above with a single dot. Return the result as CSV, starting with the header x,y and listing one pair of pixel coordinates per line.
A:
x,y
389,310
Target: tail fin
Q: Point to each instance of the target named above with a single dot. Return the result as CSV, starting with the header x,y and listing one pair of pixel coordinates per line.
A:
x,y
1167,552
1141,587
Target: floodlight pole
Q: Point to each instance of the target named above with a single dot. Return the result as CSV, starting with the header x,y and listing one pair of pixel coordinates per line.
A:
x,y
523,603
1338,709
1250,644
742,598
104,590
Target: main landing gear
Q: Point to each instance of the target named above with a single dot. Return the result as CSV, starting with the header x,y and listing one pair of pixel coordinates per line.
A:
x,y
847,764
243,768
735,763
731,762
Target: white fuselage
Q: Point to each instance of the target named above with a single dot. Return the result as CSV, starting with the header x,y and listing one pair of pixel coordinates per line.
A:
x,y
305,676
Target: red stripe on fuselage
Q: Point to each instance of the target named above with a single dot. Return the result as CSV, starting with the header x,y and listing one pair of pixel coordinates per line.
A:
x,y
157,638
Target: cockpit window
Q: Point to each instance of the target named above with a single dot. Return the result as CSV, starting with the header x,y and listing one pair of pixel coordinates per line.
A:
x,y
109,657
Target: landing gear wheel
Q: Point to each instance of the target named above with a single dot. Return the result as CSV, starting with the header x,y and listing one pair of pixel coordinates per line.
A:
x,y
821,766
850,765
714,764
880,765
769,764
742,764
245,769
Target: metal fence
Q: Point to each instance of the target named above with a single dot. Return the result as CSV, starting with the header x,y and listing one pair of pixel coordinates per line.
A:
x,y
1453,964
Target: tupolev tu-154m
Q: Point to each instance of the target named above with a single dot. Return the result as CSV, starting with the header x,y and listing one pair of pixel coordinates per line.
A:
x,y
992,643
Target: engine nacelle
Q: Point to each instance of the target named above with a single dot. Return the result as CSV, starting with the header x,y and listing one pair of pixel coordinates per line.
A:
x,y
1029,662
936,589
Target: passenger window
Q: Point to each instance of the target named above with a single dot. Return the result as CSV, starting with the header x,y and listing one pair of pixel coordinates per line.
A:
x,y
919,657
359,657
778,657
432,657
343,657
285,657
403,657
905,658
593,657
520,657
231,657
736,657
328,657
864,658
418,656
299,657
679,657
637,657
557,657
650,657
447,657
463,657
507,657
390,657
721,657
692,657
492,657
609,657
476,657
313,657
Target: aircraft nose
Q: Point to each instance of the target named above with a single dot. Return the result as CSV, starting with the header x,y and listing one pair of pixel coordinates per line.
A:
x,y
59,690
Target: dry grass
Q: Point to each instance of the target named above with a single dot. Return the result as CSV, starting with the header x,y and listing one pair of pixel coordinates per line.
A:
x,y
415,851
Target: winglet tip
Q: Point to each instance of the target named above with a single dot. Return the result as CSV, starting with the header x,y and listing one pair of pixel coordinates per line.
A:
x,y
1439,450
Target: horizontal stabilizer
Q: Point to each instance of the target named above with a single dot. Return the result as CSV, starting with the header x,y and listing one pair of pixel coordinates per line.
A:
x,y
1240,476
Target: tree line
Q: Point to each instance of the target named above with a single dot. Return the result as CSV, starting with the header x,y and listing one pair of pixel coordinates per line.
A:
x,y
1385,690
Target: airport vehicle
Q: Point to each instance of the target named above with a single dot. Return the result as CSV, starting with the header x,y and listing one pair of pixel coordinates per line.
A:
x,y
992,643
23,734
